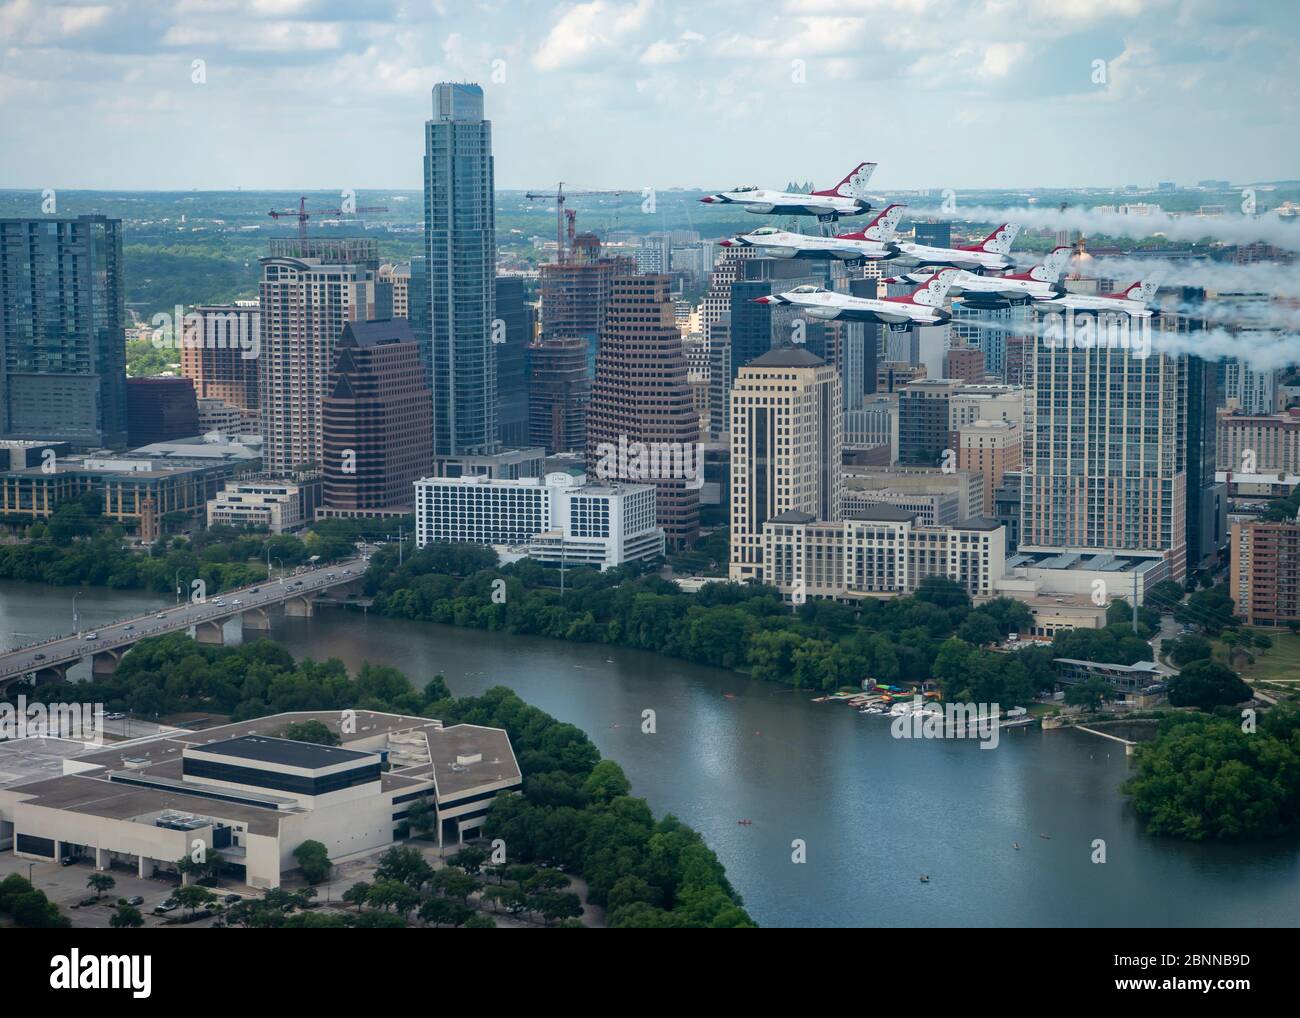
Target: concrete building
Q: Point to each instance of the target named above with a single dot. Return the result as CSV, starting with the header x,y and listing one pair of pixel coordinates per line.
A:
x,y
398,276
991,449
874,426
506,465
558,518
310,290
964,363
460,258
1258,443
923,421
221,345
559,393
575,293
940,497
641,396
62,331
1105,453
883,552
278,505
786,447
377,421
253,796
1264,575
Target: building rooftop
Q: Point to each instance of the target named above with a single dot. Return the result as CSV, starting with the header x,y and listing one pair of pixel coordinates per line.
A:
x,y
291,753
787,357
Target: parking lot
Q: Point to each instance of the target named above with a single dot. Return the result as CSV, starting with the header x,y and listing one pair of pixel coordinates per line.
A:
x,y
66,886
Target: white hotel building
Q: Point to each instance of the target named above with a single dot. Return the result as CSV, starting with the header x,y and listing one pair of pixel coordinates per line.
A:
x,y
559,518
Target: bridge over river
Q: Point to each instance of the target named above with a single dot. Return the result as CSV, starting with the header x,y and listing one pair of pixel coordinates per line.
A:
x,y
298,592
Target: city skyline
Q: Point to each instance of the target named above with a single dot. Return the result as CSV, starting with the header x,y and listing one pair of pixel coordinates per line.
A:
x,y
1152,79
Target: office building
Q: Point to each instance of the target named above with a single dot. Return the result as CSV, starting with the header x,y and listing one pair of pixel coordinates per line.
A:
x,y
513,336
559,518
310,290
641,398
277,506
398,276
786,447
460,261
991,449
559,393
923,426
1258,444
376,421
254,796
62,338
938,496
160,410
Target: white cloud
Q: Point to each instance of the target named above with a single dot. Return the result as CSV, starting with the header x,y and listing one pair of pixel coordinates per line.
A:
x,y
588,32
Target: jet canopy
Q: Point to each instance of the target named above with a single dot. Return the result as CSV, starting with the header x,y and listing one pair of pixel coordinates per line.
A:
x,y
809,289
744,187
765,231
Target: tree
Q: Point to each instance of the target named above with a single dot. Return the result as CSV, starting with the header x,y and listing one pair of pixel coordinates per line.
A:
x,y
314,860
100,882
1088,694
1207,684
478,921
1189,648
126,917
310,731
358,894
192,897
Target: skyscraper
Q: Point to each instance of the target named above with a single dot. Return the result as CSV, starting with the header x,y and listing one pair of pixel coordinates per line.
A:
x,y
62,342
220,350
512,339
786,447
310,290
460,257
575,292
641,396
559,392
1105,453
376,421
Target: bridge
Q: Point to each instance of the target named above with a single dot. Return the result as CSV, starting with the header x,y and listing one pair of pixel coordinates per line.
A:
x,y
297,592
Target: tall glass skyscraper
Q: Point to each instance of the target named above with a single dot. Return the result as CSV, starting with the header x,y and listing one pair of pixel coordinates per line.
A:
x,y
62,344
460,259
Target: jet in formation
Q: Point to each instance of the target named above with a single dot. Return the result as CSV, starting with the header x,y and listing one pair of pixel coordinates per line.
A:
x,y
871,243
923,306
989,293
989,255
847,198
1131,301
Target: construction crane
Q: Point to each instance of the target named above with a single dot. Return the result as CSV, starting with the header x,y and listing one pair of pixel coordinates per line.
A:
x,y
560,199
302,215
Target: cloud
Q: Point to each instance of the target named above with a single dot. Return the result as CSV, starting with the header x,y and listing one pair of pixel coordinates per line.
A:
x,y
591,32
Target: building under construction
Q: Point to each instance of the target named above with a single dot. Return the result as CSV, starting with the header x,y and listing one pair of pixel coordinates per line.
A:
x,y
576,290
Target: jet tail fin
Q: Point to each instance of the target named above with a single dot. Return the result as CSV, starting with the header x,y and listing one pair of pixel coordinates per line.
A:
x,y
997,242
933,293
884,226
1050,268
852,186
1143,290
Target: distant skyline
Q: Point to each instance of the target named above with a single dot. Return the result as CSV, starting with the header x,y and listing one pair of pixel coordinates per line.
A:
x,y
323,94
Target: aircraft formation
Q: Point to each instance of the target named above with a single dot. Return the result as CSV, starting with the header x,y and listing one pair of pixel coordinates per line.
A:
x,y
979,275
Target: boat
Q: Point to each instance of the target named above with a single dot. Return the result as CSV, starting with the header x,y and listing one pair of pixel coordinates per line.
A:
x,y
925,880
744,823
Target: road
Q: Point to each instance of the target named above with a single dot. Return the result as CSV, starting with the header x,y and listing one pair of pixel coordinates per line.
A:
x,y
125,632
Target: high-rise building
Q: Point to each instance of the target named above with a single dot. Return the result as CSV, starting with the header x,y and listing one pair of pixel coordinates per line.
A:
x,y
641,396
575,292
719,376
786,447
62,337
160,410
517,319
1105,453
989,448
310,290
220,349
923,420
559,392
964,363
377,421
1249,444
399,277
1264,577
460,257
717,301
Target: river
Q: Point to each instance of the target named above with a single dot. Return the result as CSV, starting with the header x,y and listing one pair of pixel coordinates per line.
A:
x,y
873,812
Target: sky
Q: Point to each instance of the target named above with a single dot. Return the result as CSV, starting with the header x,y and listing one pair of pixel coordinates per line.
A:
x,y
219,94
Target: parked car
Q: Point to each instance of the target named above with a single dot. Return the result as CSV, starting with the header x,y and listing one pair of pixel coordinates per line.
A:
x,y
115,716
137,900
230,899
70,860
165,907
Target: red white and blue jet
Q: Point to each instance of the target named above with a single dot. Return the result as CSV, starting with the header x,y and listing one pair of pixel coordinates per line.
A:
x,y
871,243
923,306
847,198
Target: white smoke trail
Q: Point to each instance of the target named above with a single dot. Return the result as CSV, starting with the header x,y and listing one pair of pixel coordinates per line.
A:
x,y
1272,278
1262,351
1234,229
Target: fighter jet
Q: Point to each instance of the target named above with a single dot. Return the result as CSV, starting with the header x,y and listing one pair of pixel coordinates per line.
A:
x,y
1131,301
872,243
989,255
989,293
923,306
847,198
